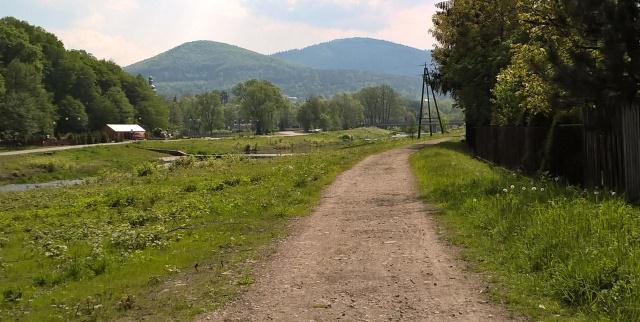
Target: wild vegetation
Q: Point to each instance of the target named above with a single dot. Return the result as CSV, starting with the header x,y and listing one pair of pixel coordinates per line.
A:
x,y
554,252
159,242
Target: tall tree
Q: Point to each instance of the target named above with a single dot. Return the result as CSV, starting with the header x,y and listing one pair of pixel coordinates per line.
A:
x,y
314,114
72,116
26,111
604,63
259,101
349,111
473,48
209,109
381,104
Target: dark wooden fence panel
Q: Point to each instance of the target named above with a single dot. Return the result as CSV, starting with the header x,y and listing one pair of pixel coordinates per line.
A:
x,y
512,147
567,155
604,152
612,149
631,146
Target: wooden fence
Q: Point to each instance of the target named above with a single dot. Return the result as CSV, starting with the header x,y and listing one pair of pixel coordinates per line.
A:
x,y
612,149
525,149
603,152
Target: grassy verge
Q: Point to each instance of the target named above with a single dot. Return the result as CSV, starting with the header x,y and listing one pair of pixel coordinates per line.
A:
x,y
554,252
155,243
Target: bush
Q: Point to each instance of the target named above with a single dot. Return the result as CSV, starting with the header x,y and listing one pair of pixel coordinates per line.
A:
x,y
146,169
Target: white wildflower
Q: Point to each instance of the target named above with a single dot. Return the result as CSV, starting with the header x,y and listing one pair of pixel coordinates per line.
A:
x,y
513,187
505,190
541,189
534,189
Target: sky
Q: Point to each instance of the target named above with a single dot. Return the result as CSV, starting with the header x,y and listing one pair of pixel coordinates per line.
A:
x,y
127,31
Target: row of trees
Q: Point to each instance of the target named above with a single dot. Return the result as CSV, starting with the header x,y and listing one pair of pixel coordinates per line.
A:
x,y
262,105
537,62
45,89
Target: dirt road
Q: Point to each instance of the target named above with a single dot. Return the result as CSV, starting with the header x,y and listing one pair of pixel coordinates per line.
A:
x,y
369,252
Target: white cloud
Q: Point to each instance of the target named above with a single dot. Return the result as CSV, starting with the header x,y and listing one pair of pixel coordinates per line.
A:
x,y
131,30
411,27
116,48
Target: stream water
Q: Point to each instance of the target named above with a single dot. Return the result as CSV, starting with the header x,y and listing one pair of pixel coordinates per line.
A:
x,y
31,186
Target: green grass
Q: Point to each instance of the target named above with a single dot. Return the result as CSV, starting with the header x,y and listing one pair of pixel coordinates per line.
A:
x,y
155,243
554,252
293,144
95,161
71,164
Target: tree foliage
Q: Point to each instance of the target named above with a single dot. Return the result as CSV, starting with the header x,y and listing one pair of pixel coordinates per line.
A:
x,y
46,89
382,105
260,100
537,61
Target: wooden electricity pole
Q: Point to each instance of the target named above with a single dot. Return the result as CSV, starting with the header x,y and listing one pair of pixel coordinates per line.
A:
x,y
435,102
421,116
426,81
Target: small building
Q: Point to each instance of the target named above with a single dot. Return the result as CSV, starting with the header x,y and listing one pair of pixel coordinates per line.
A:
x,y
120,132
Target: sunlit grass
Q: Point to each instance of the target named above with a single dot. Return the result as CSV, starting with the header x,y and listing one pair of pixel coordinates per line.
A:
x,y
556,252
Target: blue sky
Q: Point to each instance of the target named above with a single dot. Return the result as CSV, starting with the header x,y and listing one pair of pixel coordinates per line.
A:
x,y
127,31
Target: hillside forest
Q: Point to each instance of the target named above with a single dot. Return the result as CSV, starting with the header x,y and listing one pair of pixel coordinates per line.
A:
x,y
49,92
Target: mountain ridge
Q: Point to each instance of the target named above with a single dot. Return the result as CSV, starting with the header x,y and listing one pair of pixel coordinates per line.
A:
x,y
360,53
199,66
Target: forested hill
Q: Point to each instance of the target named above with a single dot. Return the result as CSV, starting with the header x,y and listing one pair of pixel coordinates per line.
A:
x,y
44,87
363,54
201,66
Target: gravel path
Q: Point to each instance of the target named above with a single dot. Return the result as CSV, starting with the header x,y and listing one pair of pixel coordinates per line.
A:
x,y
369,252
58,148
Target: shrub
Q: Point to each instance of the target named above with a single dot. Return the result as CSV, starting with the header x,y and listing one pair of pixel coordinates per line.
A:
x,y
146,169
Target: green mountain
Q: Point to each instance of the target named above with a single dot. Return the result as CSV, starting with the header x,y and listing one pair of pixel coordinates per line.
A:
x,y
201,66
363,54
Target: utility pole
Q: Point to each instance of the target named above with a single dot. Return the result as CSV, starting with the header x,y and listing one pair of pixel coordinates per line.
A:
x,y
435,102
428,102
421,104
